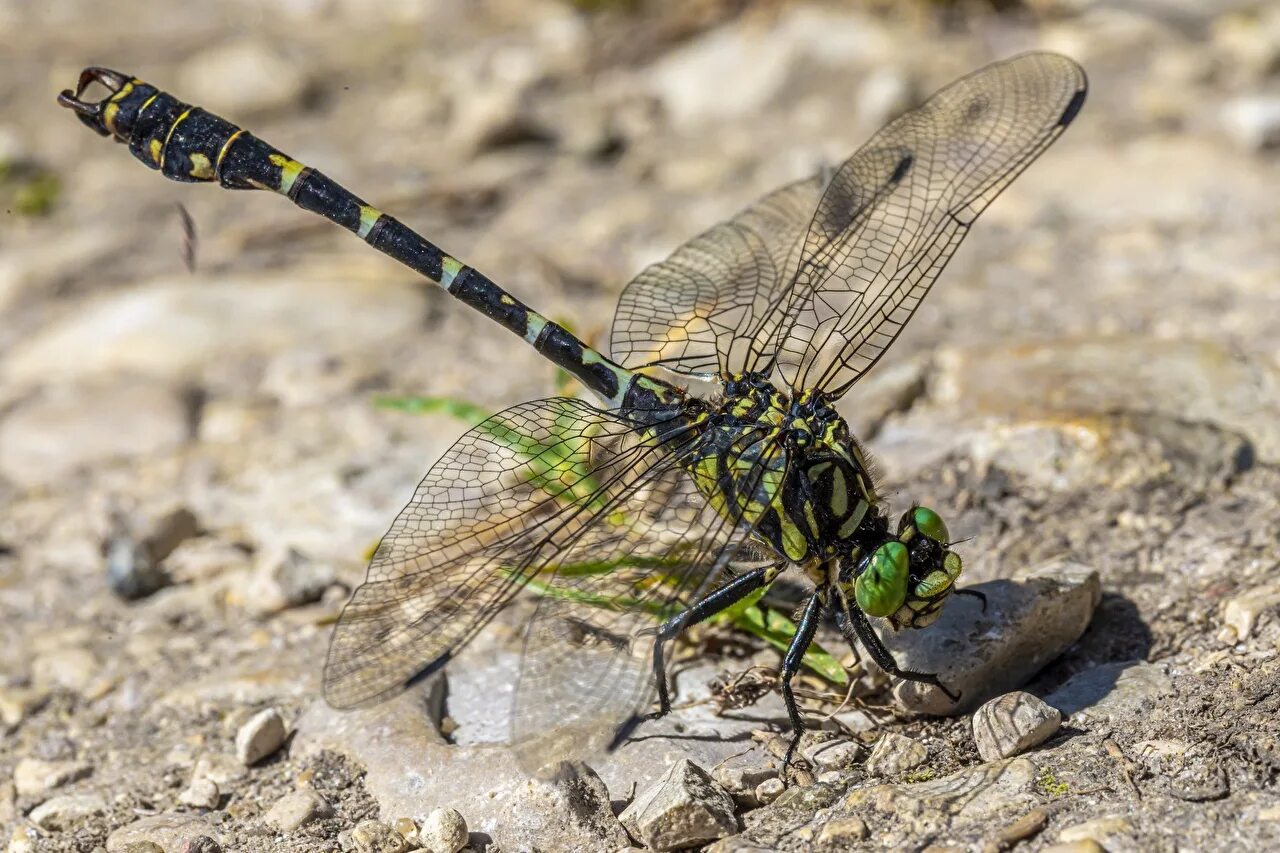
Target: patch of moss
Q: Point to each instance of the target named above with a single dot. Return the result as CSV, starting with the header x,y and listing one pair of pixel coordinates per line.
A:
x,y
1050,785
924,774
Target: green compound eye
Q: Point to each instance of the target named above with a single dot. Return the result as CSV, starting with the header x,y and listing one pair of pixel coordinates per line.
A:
x,y
930,524
881,589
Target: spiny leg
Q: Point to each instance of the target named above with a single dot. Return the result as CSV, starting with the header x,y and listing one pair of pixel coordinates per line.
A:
x,y
807,627
861,630
711,604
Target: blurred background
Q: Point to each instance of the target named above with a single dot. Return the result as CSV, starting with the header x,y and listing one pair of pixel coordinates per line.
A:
x,y
221,420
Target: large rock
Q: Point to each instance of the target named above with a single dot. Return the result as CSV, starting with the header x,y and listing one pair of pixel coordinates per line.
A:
x,y
1111,692
686,808
983,653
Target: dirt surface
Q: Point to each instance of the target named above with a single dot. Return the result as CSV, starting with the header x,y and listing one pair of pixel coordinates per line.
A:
x,y
1094,381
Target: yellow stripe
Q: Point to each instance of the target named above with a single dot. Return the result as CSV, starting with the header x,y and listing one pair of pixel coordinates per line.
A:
x,y
169,135
369,217
289,171
449,269
226,146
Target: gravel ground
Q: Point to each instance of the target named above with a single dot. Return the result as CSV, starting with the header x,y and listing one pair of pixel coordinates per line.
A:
x,y
192,465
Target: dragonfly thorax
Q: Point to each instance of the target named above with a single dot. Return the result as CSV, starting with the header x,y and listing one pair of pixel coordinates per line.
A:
x,y
823,512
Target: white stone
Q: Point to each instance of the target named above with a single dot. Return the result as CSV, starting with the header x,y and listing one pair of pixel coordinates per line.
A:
x,y
297,809
63,812
201,794
444,831
261,736
1013,723
894,754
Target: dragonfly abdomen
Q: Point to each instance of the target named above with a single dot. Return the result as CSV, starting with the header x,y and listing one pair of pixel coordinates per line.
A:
x,y
189,144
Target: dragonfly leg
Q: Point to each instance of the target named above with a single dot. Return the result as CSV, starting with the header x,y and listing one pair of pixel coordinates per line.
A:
x,y
981,596
861,630
807,627
711,604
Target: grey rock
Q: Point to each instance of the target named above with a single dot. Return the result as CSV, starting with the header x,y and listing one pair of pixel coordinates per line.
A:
x,y
685,808
769,790
1253,121
285,579
1013,723
894,754
33,777
373,836
134,560
741,776
832,754
66,810
980,654
169,831
200,844
297,809
262,735
202,793
1111,692
444,831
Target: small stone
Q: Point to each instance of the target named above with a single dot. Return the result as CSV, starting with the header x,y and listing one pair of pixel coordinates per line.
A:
x,y
297,809
841,830
200,844
372,836
830,777
286,579
1241,613
769,790
444,831
1253,121
17,702
683,809
221,769
260,737
1098,830
143,847
741,781
1086,846
833,754
134,569
894,754
169,831
406,827
73,668
201,794
1013,723
33,777
63,812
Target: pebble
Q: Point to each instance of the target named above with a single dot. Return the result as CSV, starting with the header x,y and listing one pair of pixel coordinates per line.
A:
x,y
200,844
33,777
684,808
769,790
1028,621
1013,723
17,702
373,836
832,754
22,840
261,736
1098,830
1241,612
287,578
842,830
1111,692
297,809
73,668
1253,121
894,754
202,793
170,831
64,811
444,831
134,569
741,781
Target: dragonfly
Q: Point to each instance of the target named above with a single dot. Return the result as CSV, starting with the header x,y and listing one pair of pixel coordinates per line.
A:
x,y
715,458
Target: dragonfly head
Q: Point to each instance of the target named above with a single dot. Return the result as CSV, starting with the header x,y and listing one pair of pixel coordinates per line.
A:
x,y
907,579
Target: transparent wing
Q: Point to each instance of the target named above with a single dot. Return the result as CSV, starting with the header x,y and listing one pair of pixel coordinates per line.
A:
x,y
894,213
712,305
586,673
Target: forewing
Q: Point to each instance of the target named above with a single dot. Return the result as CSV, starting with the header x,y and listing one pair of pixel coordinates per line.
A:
x,y
894,213
711,307
514,493
586,674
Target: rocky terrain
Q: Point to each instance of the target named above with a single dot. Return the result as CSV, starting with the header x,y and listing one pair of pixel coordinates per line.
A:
x,y
193,465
